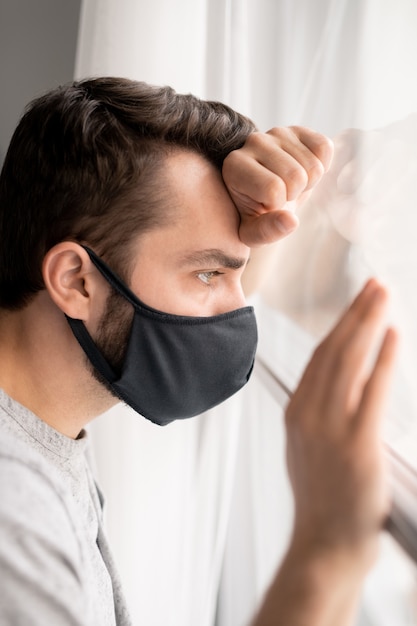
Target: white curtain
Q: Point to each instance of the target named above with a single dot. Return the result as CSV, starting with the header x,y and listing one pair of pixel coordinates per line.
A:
x,y
199,513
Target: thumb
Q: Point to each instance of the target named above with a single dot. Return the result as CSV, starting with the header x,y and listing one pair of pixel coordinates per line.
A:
x,y
267,228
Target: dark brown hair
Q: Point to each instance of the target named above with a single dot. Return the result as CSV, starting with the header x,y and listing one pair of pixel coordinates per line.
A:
x,y
86,164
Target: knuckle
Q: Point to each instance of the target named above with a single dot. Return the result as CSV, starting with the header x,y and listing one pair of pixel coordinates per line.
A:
x,y
231,167
324,150
320,145
279,132
315,172
231,159
297,130
257,140
297,180
275,192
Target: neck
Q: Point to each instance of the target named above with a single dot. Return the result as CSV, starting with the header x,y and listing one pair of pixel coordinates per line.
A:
x,y
43,368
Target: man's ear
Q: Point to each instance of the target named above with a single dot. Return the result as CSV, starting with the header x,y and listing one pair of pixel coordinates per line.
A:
x,y
71,279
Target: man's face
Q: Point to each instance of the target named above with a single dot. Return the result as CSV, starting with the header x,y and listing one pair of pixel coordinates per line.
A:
x,y
193,265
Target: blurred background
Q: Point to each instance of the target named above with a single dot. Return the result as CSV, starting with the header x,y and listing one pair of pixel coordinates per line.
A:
x,y
199,513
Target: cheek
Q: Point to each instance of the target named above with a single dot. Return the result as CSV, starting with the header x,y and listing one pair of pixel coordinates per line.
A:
x,y
169,292
99,307
114,330
224,294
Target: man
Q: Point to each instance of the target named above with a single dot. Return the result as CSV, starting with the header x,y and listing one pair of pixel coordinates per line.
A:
x,y
127,217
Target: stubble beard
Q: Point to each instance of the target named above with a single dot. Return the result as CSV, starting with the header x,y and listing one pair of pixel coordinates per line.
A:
x,y
113,336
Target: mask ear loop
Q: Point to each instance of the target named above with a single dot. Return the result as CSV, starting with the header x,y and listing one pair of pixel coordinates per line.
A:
x,y
111,277
79,329
86,342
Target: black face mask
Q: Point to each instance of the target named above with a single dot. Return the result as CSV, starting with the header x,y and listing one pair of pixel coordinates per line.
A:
x,y
175,366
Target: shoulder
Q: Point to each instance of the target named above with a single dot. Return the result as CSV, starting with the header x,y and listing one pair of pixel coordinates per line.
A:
x,y
40,553
31,490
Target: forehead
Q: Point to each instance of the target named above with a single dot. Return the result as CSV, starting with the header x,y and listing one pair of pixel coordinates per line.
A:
x,y
202,214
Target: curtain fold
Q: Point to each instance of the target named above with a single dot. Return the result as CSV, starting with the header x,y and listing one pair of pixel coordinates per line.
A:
x,y
161,42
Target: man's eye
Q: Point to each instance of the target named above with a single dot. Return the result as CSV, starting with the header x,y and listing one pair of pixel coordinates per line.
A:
x,y
206,277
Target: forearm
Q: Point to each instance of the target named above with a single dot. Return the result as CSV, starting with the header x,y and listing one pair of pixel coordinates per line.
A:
x,y
311,590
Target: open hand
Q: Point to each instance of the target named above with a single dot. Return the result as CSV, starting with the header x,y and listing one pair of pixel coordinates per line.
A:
x,y
335,455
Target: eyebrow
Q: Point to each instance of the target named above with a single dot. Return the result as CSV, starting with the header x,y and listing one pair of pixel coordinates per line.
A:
x,y
213,257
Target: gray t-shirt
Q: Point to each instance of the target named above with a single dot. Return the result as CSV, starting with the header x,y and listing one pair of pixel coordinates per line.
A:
x,y
55,565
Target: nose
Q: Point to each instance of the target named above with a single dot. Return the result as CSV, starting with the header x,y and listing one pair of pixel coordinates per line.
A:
x,y
232,299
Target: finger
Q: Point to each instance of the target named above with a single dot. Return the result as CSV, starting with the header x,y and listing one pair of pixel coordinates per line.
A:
x,y
281,153
254,188
267,228
310,152
319,145
376,390
290,158
354,346
358,309
324,369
